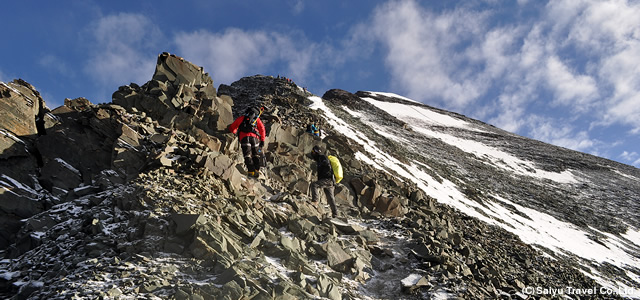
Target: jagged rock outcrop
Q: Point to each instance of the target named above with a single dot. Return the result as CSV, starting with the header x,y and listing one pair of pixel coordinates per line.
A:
x,y
23,117
147,197
180,95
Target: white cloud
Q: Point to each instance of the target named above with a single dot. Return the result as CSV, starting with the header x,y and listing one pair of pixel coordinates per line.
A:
x,y
226,56
603,26
632,157
425,52
608,34
562,14
629,155
234,53
499,49
124,49
621,71
511,111
577,91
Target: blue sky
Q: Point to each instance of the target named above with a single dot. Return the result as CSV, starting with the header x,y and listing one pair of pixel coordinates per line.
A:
x,y
563,72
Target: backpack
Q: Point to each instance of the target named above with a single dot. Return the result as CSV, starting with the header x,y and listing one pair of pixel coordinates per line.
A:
x,y
337,167
249,122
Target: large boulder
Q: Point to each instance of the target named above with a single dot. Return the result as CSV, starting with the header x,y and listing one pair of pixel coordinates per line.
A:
x,y
284,134
390,206
337,258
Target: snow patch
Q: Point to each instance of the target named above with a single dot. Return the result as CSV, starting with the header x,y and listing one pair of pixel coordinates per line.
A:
x,y
392,95
11,136
422,119
277,264
626,175
411,279
423,115
68,166
633,235
10,184
9,275
29,100
500,158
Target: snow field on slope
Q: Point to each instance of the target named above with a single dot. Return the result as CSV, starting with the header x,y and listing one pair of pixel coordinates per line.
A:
x,y
422,118
542,229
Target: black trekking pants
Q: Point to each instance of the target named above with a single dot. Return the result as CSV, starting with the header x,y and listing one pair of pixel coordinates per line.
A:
x,y
250,150
328,185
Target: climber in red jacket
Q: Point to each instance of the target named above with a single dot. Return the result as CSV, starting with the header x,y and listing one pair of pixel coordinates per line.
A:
x,y
251,129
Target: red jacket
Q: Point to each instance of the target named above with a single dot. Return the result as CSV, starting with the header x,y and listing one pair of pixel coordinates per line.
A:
x,y
259,126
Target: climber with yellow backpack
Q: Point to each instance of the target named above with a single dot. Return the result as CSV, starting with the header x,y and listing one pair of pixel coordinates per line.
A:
x,y
329,173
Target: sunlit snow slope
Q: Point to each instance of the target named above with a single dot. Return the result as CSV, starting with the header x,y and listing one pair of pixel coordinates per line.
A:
x,y
563,202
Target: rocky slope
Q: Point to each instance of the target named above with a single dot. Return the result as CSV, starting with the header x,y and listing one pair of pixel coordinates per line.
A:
x,y
147,198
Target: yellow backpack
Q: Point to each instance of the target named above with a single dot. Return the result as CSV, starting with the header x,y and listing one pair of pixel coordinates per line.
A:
x,y
337,167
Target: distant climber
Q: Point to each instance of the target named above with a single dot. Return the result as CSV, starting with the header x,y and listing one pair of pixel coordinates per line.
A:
x,y
251,129
313,129
326,180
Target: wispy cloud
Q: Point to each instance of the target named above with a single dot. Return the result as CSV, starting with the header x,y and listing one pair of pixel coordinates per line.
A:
x,y
608,34
234,53
629,156
297,6
423,51
569,89
124,49
56,64
632,158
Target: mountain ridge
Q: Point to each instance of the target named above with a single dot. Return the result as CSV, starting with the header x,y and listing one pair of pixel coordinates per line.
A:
x,y
159,205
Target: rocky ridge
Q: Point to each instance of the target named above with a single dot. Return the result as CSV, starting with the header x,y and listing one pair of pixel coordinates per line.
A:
x,y
147,198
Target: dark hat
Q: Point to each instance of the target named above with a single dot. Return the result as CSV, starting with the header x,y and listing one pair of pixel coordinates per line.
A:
x,y
251,111
316,150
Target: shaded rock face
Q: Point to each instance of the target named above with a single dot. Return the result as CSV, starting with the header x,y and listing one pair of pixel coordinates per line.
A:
x,y
342,97
147,197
